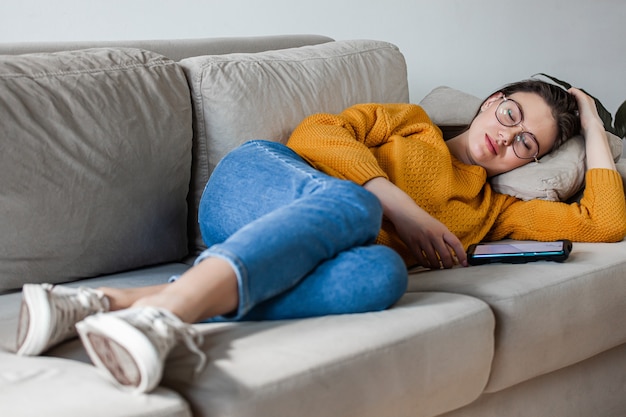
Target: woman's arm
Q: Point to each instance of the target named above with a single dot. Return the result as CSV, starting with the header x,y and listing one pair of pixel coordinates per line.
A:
x,y
343,145
601,214
599,217
597,148
428,239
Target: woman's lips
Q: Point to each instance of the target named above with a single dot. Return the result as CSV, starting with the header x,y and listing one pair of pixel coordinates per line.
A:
x,y
491,145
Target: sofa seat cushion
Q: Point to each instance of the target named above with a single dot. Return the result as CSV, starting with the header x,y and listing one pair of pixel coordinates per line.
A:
x,y
591,388
10,302
428,354
549,315
95,164
239,97
53,387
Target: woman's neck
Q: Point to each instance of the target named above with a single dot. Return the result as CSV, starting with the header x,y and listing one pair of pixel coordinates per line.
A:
x,y
458,147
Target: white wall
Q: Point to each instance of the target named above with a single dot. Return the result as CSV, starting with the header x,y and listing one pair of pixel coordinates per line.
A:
x,y
473,45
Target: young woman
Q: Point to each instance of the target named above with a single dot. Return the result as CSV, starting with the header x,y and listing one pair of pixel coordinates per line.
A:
x,y
329,223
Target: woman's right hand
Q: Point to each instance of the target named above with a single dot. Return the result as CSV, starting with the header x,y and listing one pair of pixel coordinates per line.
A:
x,y
598,152
430,241
589,117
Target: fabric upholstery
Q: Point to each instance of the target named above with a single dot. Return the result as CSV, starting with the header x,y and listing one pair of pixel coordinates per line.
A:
x,y
94,166
239,97
428,354
175,49
594,387
550,315
433,346
51,387
10,303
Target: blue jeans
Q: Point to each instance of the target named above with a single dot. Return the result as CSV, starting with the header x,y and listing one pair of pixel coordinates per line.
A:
x,y
301,242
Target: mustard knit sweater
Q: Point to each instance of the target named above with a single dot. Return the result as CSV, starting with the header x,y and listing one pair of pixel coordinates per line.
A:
x,y
400,143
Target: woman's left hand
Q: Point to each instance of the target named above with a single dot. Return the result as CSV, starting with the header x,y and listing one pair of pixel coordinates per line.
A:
x,y
430,241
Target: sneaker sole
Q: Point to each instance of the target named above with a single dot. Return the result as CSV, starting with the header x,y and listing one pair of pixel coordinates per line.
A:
x,y
35,317
126,358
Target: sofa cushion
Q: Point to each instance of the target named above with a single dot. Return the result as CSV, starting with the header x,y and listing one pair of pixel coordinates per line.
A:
x,y
239,97
430,352
142,277
559,175
52,387
594,387
94,163
433,346
549,315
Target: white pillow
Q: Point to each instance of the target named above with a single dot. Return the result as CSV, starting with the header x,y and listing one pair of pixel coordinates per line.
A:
x,y
558,176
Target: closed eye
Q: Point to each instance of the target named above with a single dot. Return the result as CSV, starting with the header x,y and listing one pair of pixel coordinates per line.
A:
x,y
525,140
509,114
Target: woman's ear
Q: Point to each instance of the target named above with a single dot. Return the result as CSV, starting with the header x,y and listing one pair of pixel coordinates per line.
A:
x,y
495,97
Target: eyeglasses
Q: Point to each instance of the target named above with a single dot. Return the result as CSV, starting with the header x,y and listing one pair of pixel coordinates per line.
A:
x,y
509,114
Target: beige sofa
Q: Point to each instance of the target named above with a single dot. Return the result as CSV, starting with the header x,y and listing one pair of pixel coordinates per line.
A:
x,y
103,155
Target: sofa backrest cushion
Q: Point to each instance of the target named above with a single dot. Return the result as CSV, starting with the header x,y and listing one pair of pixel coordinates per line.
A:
x,y
95,162
239,97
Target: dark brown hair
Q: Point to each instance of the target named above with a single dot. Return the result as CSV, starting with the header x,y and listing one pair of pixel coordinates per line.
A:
x,y
562,103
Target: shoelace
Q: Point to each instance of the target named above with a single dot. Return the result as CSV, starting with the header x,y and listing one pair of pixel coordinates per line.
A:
x,y
163,323
69,312
91,299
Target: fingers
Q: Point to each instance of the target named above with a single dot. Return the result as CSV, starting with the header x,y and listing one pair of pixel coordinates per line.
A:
x,y
575,91
458,248
585,102
446,255
445,252
586,107
581,98
427,256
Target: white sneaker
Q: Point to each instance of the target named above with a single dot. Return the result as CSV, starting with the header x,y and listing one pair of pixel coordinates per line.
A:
x,y
131,345
48,314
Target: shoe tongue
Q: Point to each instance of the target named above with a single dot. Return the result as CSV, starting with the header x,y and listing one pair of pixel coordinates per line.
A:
x,y
167,324
154,313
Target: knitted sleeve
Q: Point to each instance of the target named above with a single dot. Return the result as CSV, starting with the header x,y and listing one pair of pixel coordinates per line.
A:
x,y
342,145
599,217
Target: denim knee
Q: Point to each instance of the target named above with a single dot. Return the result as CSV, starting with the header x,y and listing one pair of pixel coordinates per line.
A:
x,y
360,280
363,207
390,281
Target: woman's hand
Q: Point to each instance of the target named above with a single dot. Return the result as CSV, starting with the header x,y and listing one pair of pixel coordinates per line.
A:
x,y
430,241
589,117
432,244
597,148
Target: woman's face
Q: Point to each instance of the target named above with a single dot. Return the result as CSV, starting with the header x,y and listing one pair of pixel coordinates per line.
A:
x,y
490,143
